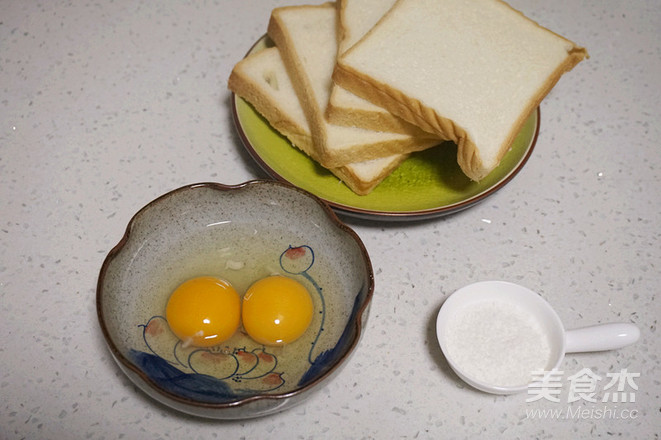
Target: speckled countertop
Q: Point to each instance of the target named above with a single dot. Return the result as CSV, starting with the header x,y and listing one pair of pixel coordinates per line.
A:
x,y
106,105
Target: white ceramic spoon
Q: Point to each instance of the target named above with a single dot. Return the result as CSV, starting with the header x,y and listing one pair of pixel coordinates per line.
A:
x,y
594,338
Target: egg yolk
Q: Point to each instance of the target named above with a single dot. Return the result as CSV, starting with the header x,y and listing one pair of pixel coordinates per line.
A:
x,y
276,310
204,311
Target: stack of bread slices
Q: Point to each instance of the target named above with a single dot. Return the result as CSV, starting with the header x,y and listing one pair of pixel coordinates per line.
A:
x,y
358,85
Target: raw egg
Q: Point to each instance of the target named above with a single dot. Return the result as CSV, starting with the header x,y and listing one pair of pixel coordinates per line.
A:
x,y
276,310
204,311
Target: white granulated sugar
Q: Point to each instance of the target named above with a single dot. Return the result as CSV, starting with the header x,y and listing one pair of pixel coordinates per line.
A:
x,y
497,343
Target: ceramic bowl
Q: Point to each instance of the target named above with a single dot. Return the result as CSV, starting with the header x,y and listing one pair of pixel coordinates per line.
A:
x,y
239,233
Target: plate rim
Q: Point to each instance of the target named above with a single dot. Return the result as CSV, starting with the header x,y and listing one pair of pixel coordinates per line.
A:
x,y
372,214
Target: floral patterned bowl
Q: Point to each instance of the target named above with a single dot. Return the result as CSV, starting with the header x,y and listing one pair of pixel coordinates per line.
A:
x,y
239,233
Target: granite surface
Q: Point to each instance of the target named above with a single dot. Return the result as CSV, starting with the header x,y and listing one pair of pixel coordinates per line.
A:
x,y
106,105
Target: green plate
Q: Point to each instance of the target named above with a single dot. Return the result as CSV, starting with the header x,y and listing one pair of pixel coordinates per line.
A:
x,y
428,184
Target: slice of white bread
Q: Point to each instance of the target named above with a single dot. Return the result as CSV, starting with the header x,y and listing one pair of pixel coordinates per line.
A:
x,y
306,37
262,80
469,71
355,19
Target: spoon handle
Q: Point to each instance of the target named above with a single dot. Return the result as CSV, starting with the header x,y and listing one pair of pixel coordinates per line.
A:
x,y
600,337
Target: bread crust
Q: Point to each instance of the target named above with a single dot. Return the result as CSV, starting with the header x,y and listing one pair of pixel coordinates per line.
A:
x,y
371,120
363,187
